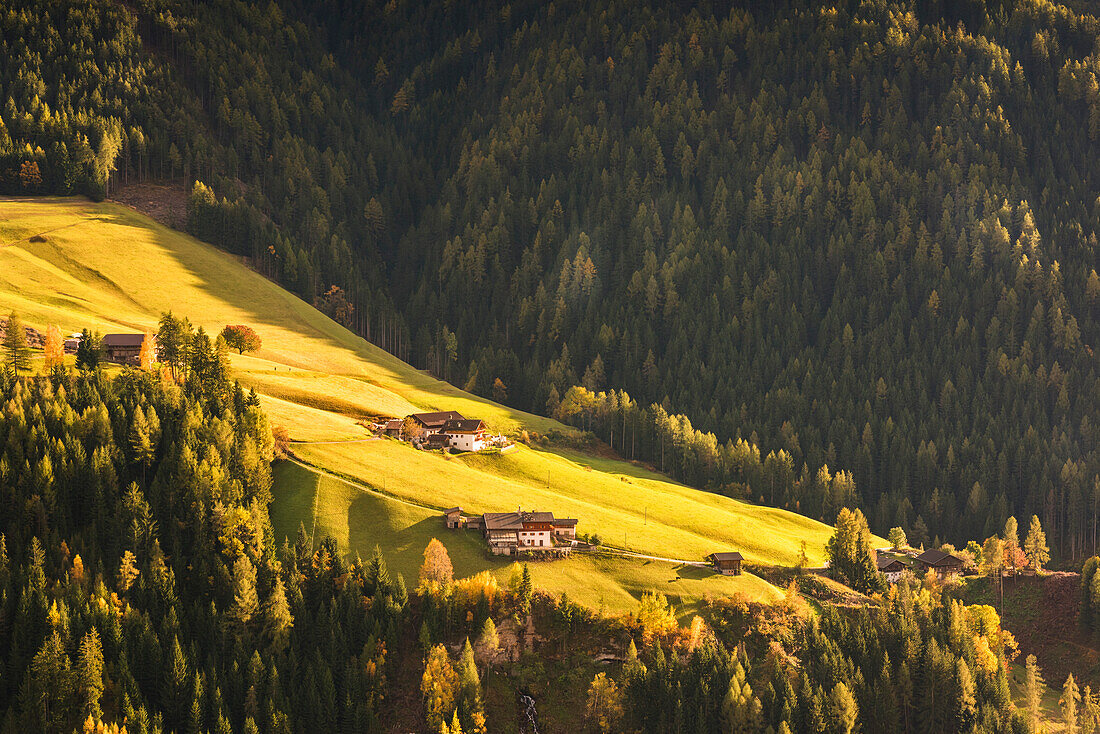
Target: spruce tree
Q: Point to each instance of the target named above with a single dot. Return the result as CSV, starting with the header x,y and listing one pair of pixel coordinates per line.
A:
x,y
17,355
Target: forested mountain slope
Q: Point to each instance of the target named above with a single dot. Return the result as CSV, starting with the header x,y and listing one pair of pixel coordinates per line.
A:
x,y
861,235
864,234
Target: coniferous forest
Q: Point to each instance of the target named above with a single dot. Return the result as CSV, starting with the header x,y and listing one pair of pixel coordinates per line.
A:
x,y
822,257
859,239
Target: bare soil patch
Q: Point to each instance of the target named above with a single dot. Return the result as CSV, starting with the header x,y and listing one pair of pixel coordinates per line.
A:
x,y
164,201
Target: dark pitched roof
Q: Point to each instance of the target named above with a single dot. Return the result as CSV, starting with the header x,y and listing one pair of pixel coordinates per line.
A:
x,y
885,562
463,425
730,556
394,424
453,511
123,340
514,520
937,557
435,420
562,522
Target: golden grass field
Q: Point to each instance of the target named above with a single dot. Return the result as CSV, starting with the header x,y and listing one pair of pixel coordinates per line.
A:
x,y
109,268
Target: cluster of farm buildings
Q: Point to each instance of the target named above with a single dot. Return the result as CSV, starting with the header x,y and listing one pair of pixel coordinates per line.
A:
x,y
117,348
894,563
446,429
519,532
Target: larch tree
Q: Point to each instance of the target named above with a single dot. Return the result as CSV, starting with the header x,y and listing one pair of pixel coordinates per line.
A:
x,y
246,602
90,673
437,566
1071,697
127,571
439,687
1035,546
54,349
1011,543
1033,692
488,642
469,700
147,357
604,705
277,617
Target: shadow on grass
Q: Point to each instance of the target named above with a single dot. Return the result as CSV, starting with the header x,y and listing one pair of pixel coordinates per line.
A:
x,y
696,573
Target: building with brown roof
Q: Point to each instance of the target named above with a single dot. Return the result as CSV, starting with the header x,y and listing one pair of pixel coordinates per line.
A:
x,y
890,566
124,348
726,563
433,422
510,533
941,562
466,434
454,518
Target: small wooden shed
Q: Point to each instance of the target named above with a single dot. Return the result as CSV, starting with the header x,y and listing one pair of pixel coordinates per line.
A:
x,y
727,564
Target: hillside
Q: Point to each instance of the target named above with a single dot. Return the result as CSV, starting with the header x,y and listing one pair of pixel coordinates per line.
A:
x,y
861,237
317,379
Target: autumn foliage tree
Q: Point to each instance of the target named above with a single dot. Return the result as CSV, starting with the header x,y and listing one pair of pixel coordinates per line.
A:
x,y
54,348
242,338
437,564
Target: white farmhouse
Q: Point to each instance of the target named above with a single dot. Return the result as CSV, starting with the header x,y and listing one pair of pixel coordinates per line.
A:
x,y
466,434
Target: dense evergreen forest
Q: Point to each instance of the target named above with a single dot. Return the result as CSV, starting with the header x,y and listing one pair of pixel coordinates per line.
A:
x,y
859,238
142,590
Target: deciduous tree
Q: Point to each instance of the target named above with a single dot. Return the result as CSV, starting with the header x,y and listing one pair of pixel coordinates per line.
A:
x,y
242,338
437,566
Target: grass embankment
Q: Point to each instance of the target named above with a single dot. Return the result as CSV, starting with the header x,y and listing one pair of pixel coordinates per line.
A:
x,y
107,268
625,505
361,519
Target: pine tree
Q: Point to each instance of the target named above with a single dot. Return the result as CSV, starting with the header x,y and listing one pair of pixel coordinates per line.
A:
x,y
47,697
177,679
141,442
89,351
843,713
741,711
17,355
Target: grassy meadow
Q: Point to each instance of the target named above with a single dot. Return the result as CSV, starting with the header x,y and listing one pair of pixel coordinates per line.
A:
x,y
108,268
360,520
